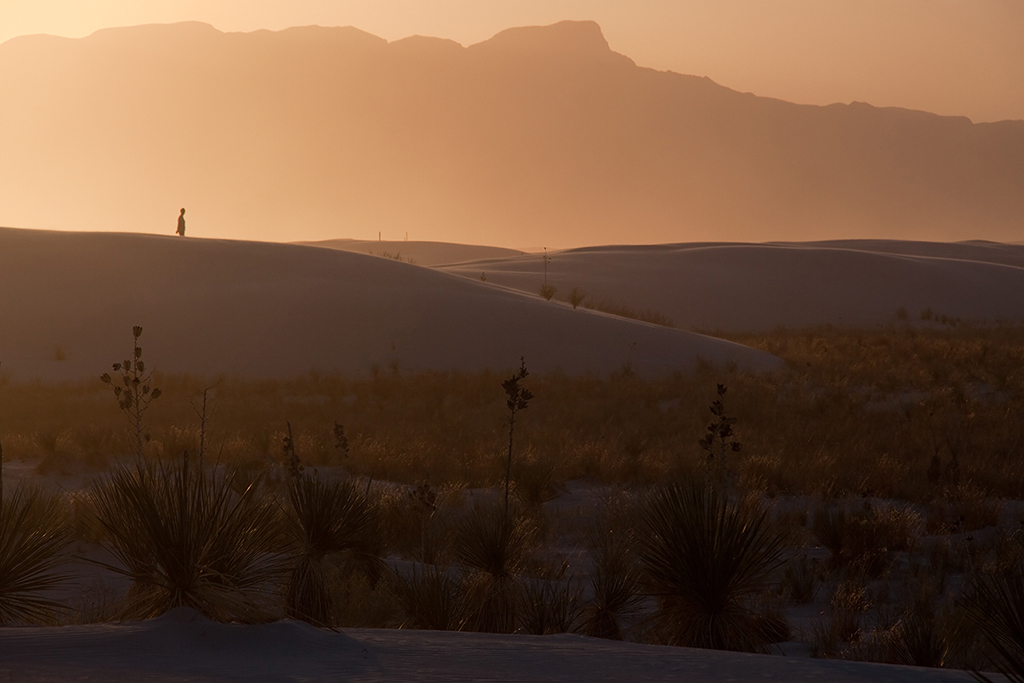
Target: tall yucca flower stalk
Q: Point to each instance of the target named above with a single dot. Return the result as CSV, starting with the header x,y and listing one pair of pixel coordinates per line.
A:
x,y
133,388
704,557
186,537
328,518
33,537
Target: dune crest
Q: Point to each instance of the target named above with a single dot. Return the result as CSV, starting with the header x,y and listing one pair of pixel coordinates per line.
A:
x,y
274,310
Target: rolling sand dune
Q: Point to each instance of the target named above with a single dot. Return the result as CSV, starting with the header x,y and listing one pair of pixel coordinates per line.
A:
x,y
68,302
418,252
156,650
746,287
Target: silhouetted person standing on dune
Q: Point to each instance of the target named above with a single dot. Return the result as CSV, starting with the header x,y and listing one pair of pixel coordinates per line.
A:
x,y
181,224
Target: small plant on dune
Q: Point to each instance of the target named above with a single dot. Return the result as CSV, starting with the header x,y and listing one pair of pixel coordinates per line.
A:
x,y
548,291
705,558
517,397
576,297
34,533
133,390
718,441
331,522
492,546
615,584
185,537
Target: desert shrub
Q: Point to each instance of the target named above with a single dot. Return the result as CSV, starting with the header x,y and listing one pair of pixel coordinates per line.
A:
x,y
491,546
842,626
576,297
334,524
995,603
185,537
705,558
550,606
431,598
615,585
536,479
548,291
361,603
34,535
863,540
799,580
965,508
920,638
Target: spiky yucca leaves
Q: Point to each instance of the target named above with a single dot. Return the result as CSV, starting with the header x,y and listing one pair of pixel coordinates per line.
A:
x,y
996,604
492,546
431,599
328,518
186,537
704,557
550,606
34,533
615,583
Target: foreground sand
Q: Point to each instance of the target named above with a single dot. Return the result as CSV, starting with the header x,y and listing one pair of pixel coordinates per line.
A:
x,y
183,646
748,287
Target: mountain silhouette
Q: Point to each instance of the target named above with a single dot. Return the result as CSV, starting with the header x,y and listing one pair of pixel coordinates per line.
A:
x,y
540,135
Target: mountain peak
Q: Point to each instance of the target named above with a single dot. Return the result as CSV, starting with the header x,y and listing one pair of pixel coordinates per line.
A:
x,y
576,38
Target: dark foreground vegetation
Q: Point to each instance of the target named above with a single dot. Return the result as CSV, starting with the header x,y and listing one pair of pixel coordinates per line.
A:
x,y
866,501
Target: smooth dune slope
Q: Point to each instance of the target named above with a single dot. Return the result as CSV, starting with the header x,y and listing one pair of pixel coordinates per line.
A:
x,y
288,651
538,136
418,252
748,287
68,302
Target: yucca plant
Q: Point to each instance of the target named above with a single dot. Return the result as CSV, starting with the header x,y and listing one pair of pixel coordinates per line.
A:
x,y
34,534
331,521
492,546
189,536
995,603
615,585
705,557
431,599
550,606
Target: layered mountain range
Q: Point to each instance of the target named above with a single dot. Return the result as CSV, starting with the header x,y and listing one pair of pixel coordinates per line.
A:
x,y
538,136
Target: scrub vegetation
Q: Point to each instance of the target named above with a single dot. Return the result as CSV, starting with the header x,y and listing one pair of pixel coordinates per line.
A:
x,y
880,480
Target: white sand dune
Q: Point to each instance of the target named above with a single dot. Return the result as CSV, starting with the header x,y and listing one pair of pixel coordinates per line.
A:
x,y
421,253
736,286
68,302
183,646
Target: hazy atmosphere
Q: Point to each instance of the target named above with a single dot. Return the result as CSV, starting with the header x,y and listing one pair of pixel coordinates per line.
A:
x,y
525,341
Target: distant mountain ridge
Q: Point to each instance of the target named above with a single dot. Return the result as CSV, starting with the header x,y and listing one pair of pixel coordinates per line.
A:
x,y
540,135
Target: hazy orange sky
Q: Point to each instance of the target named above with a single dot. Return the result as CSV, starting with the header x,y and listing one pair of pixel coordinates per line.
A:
x,y
958,57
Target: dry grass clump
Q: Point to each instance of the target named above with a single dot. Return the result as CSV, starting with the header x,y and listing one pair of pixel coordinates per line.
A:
x,y
863,540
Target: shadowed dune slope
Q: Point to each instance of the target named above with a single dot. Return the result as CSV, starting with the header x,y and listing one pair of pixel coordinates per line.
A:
x,y
68,301
538,136
747,287
419,252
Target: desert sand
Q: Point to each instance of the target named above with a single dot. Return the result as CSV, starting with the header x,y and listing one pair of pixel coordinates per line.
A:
x,y
68,302
746,287
418,252
183,646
